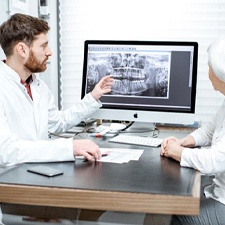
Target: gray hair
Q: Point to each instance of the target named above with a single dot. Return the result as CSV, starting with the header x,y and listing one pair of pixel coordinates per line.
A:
x,y
216,58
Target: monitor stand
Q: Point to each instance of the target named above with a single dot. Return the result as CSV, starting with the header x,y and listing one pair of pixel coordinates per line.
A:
x,y
138,127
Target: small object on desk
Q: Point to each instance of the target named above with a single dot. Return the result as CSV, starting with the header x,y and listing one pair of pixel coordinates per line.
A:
x,y
97,135
137,140
85,160
110,130
102,131
45,170
86,122
117,127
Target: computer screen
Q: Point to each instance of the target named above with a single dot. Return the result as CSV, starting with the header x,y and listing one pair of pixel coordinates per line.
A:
x,y
155,81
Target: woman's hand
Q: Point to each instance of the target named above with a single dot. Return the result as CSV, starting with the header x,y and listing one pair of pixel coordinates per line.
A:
x,y
171,147
164,145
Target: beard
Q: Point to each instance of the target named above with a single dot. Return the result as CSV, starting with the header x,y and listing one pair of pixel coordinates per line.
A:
x,y
34,65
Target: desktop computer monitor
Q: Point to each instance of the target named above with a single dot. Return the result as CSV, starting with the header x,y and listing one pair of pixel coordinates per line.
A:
x,y
155,81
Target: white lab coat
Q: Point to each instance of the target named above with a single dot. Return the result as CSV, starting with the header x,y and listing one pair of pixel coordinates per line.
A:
x,y
24,124
210,160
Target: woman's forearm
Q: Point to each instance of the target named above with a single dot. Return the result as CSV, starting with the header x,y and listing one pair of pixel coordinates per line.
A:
x,y
188,141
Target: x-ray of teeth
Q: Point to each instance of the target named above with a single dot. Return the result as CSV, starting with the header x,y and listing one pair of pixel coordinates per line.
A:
x,y
134,74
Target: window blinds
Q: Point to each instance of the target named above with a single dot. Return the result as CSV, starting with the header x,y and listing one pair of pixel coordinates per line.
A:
x,y
188,20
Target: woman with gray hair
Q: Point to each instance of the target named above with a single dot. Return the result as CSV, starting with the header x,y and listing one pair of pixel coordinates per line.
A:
x,y
210,158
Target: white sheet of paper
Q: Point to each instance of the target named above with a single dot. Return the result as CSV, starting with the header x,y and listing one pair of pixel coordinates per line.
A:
x,y
120,155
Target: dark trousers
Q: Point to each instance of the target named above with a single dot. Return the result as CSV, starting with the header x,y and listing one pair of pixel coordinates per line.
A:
x,y
212,212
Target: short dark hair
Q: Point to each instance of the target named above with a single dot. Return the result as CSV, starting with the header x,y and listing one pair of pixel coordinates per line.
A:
x,y
20,27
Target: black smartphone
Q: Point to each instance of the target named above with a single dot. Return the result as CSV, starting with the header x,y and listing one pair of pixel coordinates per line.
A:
x,y
45,170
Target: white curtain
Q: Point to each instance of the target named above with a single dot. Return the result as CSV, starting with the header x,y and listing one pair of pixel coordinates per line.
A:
x,y
187,20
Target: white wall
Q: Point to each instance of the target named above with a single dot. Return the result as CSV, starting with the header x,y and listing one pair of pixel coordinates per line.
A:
x,y
50,76
174,20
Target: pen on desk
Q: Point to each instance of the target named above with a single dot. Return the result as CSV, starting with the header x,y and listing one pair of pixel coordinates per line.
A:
x,y
85,160
95,135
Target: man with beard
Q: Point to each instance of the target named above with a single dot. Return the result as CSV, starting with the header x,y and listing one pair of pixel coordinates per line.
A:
x,y
27,109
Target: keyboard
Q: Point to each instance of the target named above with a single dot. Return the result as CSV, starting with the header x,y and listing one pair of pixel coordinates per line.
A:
x,y
137,140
